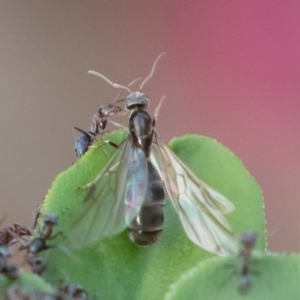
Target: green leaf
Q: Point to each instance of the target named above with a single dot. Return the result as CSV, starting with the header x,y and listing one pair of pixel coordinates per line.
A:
x,y
116,268
272,276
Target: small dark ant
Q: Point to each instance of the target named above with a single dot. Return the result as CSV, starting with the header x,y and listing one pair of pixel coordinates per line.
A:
x,y
248,240
99,123
39,243
99,120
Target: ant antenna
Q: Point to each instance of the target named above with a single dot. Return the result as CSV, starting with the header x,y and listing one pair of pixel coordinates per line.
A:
x,y
115,85
152,70
129,84
134,81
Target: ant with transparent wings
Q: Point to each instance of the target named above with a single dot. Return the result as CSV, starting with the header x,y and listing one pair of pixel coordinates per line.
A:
x,y
131,189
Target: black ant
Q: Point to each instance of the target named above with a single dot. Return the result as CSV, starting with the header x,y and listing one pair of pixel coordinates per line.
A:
x,y
99,123
39,243
248,240
98,126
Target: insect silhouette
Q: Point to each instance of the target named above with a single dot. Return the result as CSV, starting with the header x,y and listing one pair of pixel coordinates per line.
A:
x,y
99,123
39,243
131,189
248,240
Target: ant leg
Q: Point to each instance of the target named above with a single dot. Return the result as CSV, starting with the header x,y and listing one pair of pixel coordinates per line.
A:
x,y
91,135
38,214
15,236
24,244
56,234
116,124
112,144
105,143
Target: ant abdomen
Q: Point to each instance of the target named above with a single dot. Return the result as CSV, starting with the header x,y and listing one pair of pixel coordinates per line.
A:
x,y
147,226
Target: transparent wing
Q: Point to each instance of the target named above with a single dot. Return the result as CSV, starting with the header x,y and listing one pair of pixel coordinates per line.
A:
x,y
114,197
200,207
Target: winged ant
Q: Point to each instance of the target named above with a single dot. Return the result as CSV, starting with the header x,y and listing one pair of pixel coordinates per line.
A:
x,y
130,191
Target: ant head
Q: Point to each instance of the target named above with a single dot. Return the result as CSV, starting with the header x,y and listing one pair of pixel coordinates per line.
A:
x,y
248,239
50,219
109,110
137,99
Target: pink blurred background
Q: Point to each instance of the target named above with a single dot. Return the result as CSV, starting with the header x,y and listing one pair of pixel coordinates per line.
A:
x,y
232,72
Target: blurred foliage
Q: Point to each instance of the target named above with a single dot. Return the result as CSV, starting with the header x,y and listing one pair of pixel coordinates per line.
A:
x,y
271,276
